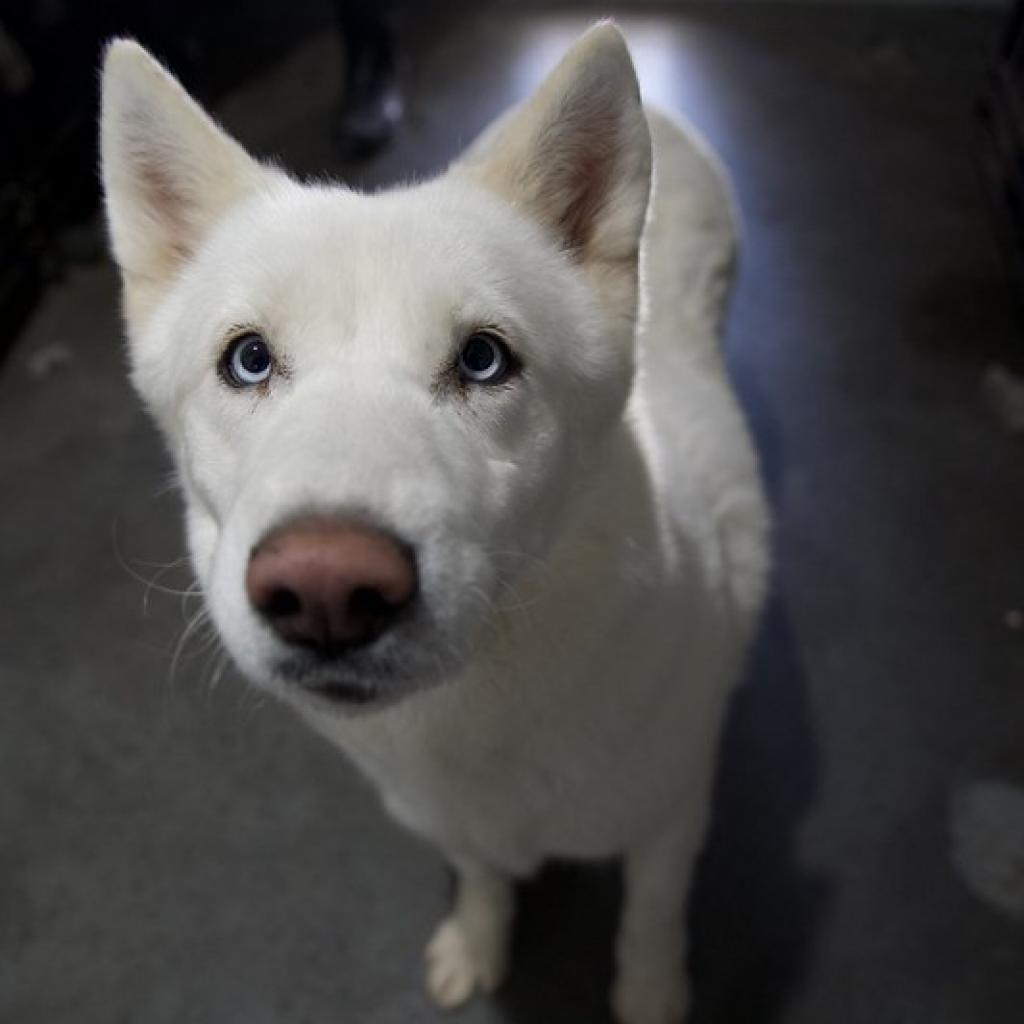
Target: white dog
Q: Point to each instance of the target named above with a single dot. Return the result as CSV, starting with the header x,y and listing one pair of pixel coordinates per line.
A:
x,y
496,535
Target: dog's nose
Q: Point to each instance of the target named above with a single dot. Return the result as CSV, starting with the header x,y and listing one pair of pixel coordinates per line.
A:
x,y
330,585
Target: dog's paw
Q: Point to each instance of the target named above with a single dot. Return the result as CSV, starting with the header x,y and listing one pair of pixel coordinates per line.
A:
x,y
650,1001
459,964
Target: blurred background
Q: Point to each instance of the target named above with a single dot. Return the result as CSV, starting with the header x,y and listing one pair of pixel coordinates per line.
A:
x,y
173,848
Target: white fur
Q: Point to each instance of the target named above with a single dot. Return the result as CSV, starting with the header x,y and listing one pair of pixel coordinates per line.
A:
x,y
591,538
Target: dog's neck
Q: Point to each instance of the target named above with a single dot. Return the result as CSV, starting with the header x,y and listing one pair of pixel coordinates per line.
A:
x,y
605,525
613,538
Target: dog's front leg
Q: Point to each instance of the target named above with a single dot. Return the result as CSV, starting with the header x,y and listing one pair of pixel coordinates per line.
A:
x,y
469,949
650,983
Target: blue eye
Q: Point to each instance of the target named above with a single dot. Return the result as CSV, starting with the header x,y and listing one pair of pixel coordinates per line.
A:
x,y
247,361
484,359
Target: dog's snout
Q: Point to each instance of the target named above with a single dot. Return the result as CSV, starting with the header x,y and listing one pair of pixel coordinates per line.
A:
x,y
330,585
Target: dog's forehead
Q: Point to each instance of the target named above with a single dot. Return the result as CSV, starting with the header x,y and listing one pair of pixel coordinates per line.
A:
x,y
414,238
333,260
322,268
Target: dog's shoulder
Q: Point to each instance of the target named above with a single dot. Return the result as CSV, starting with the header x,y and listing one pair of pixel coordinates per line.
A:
x,y
684,407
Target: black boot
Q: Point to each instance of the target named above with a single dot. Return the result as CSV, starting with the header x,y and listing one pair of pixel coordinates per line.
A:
x,y
371,106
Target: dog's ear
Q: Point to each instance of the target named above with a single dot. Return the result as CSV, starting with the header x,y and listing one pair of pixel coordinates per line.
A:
x,y
576,156
169,172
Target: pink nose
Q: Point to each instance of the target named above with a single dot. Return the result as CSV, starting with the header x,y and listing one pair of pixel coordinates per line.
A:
x,y
330,585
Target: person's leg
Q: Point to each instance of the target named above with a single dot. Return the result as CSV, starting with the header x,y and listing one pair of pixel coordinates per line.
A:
x,y
371,106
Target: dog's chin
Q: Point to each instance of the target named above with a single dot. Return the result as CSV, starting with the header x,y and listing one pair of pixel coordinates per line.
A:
x,y
360,681
345,697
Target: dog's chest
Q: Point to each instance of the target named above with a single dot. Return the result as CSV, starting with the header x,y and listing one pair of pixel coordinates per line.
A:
x,y
554,768
493,782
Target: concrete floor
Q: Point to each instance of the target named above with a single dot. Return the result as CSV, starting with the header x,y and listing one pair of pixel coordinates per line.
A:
x,y
177,851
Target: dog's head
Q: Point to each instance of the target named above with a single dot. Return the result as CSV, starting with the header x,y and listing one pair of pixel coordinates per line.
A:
x,y
377,405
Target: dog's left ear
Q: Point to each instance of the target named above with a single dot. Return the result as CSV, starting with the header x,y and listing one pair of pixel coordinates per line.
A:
x,y
576,157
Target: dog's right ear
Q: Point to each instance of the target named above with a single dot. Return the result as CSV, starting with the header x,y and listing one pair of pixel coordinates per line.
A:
x,y
169,173
576,158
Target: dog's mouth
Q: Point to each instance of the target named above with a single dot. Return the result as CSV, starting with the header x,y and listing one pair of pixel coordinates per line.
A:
x,y
357,680
364,677
331,680
336,691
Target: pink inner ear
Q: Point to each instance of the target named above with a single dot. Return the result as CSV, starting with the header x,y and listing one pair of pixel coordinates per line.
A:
x,y
160,185
162,195
581,155
588,194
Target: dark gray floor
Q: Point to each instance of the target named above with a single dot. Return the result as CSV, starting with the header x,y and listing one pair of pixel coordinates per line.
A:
x,y
175,851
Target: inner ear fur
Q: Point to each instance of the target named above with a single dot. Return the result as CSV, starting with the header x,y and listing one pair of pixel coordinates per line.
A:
x,y
576,156
169,172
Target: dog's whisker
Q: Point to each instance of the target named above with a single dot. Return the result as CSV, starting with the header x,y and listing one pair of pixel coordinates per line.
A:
x,y
174,563
152,583
170,485
522,556
200,620
194,589
518,603
250,702
220,661
485,601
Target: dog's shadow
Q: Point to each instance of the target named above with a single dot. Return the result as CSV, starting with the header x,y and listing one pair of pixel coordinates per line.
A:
x,y
753,912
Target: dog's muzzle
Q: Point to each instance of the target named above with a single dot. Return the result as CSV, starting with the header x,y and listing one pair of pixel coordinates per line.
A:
x,y
329,588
